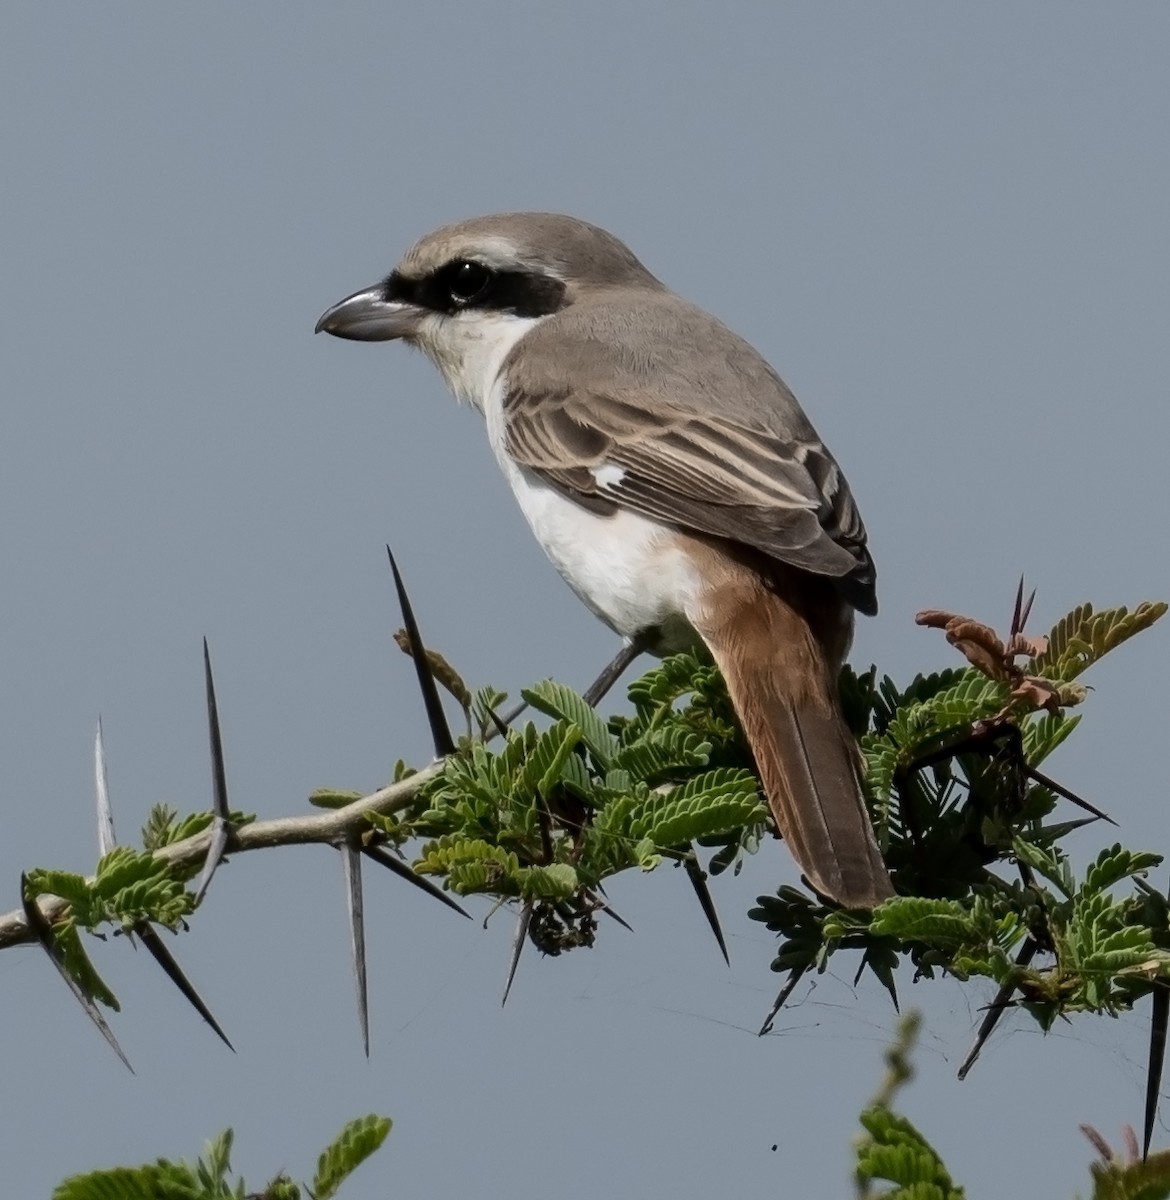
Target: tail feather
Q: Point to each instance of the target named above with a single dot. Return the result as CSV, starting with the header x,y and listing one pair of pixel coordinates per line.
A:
x,y
808,761
782,677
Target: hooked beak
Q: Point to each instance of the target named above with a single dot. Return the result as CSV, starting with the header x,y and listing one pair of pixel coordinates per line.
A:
x,y
367,316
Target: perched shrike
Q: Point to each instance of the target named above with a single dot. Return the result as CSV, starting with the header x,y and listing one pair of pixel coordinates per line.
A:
x,y
673,480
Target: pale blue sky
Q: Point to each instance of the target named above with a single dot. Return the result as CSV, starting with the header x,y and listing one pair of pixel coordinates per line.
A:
x,y
945,225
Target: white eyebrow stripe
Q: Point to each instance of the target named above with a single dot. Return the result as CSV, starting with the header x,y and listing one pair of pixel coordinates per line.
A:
x,y
608,475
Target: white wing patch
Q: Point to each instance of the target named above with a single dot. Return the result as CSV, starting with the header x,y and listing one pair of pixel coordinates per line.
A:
x,y
608,475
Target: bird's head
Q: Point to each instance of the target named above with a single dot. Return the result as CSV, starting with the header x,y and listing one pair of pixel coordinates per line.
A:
x,y
466,293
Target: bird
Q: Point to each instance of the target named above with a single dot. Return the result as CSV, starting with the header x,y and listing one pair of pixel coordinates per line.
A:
x,y
675,483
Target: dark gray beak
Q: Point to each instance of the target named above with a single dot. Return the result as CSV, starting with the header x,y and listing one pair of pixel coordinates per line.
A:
x,y
367,316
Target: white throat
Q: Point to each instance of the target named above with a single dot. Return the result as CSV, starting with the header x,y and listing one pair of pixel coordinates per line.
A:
x,y
469,349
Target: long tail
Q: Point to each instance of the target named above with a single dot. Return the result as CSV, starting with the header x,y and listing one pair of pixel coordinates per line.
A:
x,y
782,677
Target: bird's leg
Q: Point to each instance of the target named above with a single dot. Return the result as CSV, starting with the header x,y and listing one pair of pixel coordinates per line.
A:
x,y
631,648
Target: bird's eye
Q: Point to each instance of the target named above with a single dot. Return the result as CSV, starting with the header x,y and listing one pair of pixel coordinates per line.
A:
x,y
465,281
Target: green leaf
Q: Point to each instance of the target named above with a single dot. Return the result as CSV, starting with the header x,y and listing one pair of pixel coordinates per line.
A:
x,y
893,1150
156,833
333,797
916,918
451,852
543,768
712,803
662,752
158,1181
1048,861
1114,864
970,697
78,964
733,846
920,689
1043,734
1133,1179
646,854
73,889
555,700
402,770
576,779
485,702
217,1156
881,761
1083,637
675,676
556,882
123,867
352,1146
610,846
858,697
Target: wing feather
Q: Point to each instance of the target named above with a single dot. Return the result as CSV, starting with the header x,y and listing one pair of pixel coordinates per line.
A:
x,y
722,450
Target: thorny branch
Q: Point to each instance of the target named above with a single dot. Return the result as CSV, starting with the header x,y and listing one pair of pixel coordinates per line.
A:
x,y
324,828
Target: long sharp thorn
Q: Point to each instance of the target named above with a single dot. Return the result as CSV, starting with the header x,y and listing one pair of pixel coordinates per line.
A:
x,y
1045,781
1159,1019
153,942
630,650
517,945
440,730
1017,611
605,907
1061,828
616,916
40,926
221,822
101,786
888,983
996,1009
794,977
220,834
501,726
1027,610
351,863
698,878
404,871
219,797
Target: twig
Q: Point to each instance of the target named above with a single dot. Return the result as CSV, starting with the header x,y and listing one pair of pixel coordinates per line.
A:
x,y
324,828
